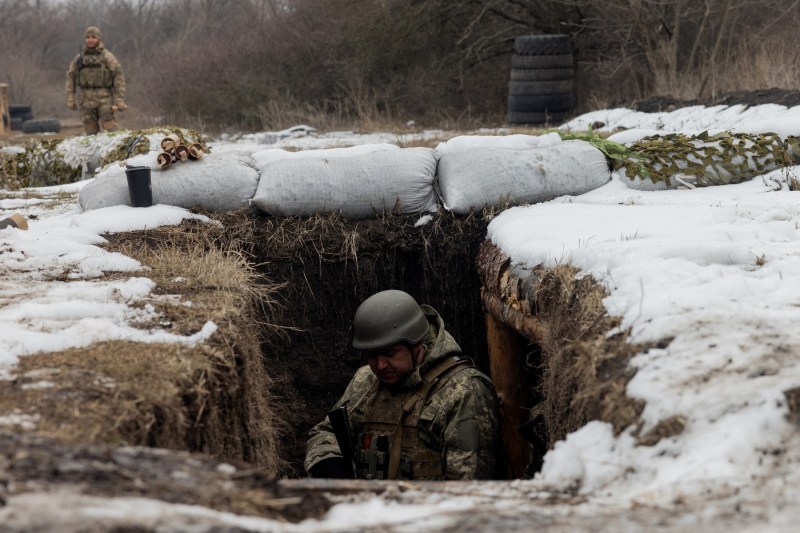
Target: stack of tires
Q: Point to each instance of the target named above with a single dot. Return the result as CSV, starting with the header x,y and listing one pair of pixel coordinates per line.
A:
x,y
22,120
19,114
541,89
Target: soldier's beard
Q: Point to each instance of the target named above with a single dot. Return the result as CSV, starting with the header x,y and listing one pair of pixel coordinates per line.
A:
x,y
389,378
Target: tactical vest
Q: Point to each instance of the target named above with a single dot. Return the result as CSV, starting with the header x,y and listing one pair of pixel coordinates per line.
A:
x,y
379,453
93,71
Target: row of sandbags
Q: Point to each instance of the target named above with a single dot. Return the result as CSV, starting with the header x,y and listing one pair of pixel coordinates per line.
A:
x,y
463,174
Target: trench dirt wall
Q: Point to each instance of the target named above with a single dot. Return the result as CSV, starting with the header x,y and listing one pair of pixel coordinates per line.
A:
x,y
328,266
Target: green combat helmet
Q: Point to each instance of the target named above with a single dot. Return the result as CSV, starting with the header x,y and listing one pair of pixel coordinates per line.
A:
x,y
386,318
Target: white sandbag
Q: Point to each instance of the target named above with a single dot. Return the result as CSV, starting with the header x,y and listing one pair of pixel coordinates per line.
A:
x,y
486,177
360,186
218,182
266,156
466,143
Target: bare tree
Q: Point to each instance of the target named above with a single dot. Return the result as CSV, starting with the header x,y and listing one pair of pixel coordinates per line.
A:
x,y
265,63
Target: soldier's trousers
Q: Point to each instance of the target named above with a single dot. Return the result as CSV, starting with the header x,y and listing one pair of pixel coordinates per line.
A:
x,y
96,112
99,118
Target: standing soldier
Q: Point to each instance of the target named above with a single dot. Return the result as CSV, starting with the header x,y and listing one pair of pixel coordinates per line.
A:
x,y
419,409
99,75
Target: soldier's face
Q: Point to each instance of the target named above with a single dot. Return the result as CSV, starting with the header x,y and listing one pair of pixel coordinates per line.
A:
x,y
91,41
391,365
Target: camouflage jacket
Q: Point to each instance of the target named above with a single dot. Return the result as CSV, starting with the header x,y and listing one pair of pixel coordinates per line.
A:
x,y
96,69
452,434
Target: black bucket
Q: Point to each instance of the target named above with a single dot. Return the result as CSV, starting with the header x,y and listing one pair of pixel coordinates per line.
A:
x,y
139,186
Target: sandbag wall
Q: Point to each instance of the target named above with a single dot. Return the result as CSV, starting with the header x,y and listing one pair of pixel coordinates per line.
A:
x,y
462,175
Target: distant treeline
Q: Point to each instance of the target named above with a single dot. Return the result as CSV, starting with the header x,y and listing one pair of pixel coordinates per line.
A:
x,y
268,64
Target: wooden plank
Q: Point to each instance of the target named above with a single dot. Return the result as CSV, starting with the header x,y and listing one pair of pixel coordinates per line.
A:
x,y
507,350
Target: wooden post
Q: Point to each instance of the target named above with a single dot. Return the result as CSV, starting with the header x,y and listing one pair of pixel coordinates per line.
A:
x,y
5,123
507,350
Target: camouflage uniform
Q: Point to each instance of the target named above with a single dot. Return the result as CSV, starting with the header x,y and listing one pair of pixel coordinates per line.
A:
x,y
101,80
449,433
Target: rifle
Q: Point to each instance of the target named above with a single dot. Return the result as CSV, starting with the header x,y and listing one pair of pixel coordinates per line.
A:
x,y
341,429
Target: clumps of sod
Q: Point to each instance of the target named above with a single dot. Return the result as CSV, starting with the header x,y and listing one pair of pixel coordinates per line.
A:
x,y
213,397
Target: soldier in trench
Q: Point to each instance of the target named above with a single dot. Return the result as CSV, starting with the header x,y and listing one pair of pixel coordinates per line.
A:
x,y
419,409
99,76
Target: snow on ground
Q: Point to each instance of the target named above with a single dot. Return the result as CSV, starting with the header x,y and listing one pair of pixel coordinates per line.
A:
x,y
42,312
714,271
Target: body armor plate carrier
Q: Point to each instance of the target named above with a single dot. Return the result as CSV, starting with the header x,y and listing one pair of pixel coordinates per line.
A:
x,y
389,445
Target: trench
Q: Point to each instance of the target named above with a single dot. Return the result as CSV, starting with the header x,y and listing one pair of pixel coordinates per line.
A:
x,y
328,266
543,335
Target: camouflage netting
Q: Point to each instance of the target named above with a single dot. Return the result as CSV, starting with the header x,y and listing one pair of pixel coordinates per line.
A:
x,y
669,161
56,162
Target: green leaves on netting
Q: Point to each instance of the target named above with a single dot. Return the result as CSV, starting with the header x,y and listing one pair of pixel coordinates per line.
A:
x,y
706,159
719,159
618,154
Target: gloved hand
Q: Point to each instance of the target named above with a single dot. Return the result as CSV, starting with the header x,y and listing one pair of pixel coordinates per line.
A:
x,y
71,104
334,468
120,106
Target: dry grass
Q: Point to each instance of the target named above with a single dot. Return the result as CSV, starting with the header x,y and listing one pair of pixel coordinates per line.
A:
x,y
119,392
584,370
763,62
296,235
212,398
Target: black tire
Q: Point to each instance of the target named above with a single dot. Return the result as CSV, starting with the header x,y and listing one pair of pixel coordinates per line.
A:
x,y
553,102
24,116
536,117
540,87
16,124
542,74
41,125
19,110
530,45
542,61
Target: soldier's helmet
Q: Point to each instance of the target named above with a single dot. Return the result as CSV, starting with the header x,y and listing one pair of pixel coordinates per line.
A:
x,y
386,318
94,31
